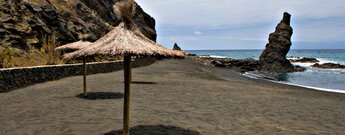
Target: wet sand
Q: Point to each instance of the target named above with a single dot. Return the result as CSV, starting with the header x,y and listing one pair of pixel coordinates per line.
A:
x,y
176,97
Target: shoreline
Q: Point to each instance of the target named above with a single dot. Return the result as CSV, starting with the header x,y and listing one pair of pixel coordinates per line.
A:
x,y
206,61
278,83
316,88
298,85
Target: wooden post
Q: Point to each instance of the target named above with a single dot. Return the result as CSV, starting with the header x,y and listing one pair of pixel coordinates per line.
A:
x,y
84,77
127,63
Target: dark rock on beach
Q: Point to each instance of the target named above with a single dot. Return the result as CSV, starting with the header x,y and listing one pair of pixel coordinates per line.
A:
x,y
305,60
207,61
273,58
329,66
236,64
191,54
298,69
176,47
242,64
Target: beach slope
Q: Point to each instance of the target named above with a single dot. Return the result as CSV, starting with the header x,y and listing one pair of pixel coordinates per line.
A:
x,y
178,96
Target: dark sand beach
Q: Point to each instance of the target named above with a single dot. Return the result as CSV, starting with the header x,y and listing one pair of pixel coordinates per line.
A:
x,y
175,96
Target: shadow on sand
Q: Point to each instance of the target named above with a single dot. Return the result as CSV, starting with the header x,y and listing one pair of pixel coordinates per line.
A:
x,y
100,95
142,82
156,130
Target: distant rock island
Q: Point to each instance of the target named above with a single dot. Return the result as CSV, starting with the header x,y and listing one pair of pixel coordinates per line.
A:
x,y
317,63
273,58
176,47
329,66
305,60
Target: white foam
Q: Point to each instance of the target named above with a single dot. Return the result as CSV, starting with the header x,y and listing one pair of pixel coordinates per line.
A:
x,y
255,76
315,88
217,56
293,58
213,56
303,64
250,75
323,61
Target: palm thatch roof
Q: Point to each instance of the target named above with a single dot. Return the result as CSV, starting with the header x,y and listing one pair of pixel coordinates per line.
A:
x,y
73,46
126,39
123,41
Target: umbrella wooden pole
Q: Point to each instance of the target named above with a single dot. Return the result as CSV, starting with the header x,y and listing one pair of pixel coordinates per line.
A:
x,y
84,77
127,74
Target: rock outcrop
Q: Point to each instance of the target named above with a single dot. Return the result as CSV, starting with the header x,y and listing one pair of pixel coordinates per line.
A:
x,y
273,58
240,64
28,24
191,54
329,66
176,47
305,60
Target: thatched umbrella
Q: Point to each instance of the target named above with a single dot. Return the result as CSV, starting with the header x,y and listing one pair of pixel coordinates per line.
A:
x,y
126,40
71,47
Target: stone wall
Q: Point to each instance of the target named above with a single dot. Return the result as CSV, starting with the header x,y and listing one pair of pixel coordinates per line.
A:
x,y
14,78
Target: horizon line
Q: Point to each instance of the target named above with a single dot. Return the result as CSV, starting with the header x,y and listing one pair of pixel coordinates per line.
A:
x,y
258,49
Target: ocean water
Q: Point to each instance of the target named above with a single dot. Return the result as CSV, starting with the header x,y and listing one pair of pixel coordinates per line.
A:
x,y
321,79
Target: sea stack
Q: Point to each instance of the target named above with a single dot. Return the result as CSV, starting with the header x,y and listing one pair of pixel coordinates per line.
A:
x,y
176,47
273,58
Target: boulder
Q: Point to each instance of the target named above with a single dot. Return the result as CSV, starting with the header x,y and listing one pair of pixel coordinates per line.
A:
x,y
242,64
329,66
191,54
176,47
273,58
305,60
219,63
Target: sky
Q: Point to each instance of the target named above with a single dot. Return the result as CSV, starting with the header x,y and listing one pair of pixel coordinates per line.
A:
x,y
246,24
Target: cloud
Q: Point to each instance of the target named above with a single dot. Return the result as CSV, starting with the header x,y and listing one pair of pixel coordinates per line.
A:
x,y
197,32
246,22
200,13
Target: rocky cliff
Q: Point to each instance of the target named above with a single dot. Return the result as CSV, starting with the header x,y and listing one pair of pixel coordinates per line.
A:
x,y
273,58
35,24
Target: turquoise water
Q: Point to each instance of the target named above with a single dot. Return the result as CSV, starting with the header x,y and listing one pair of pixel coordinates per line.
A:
x,y
322,79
